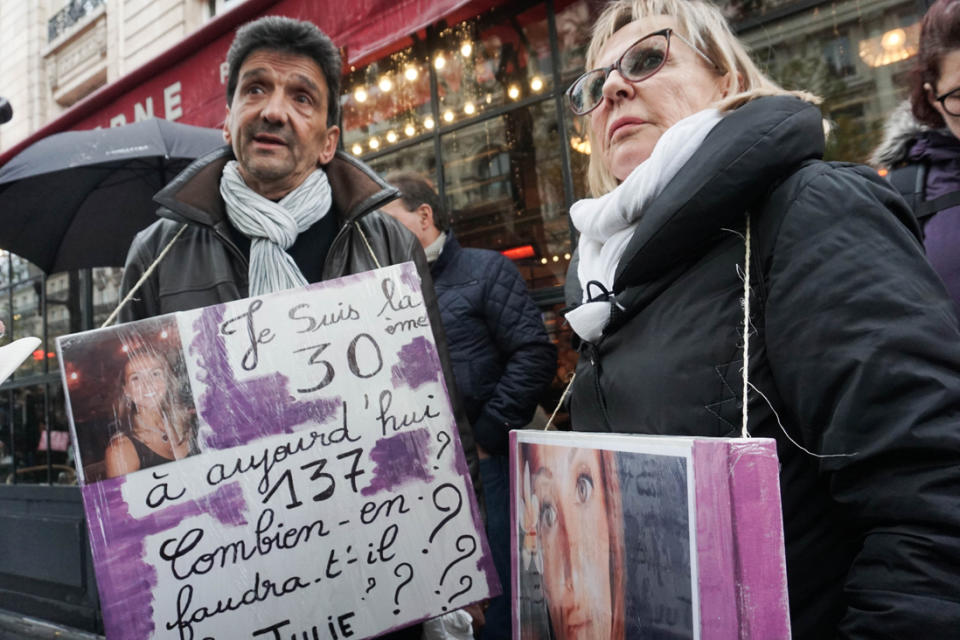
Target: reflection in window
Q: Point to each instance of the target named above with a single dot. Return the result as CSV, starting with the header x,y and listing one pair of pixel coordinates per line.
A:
x,y
856,58
504,189
479,67
386,102
419,158
106,292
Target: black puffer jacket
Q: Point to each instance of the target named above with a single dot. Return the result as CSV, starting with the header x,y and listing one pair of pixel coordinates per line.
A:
x,y
205,266
854,342
502,357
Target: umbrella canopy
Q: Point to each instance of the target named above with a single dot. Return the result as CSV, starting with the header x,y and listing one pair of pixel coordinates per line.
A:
x,y
76,199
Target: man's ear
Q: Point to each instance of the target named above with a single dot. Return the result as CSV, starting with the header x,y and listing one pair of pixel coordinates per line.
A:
x,y
425,216
226,128
329,148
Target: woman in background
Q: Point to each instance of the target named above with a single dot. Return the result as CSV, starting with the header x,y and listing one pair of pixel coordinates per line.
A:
x,y
152,425
723,264
921,146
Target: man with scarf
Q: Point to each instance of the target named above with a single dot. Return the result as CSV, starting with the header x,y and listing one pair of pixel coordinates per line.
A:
x,y
279,207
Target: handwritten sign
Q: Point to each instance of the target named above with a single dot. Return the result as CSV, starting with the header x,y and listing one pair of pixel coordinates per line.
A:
x,y
275,467
668,537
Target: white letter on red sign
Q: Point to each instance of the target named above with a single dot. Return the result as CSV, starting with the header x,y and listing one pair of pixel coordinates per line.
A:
x,y
171,102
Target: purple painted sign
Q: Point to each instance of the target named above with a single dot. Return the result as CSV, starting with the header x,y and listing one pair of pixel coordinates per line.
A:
x,y
273,467
622,536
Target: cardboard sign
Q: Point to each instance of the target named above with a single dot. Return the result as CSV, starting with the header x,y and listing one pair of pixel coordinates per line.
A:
x,y
275,467
623,536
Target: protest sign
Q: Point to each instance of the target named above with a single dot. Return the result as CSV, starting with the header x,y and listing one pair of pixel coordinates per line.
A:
x,y
275,467
624,536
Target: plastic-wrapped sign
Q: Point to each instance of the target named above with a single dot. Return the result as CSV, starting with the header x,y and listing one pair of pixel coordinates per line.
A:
x,y
623,536
275,467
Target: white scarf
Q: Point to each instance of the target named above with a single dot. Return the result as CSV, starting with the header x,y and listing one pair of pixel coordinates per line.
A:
x,y
606,224
274,226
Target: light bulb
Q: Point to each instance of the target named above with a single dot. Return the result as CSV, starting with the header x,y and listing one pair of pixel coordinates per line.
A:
x,y
513,92
357,149
466,49
536,83
374,143
428,122
409,130
448,115
439,62
469,109
385,84
391,137
410,73
360,94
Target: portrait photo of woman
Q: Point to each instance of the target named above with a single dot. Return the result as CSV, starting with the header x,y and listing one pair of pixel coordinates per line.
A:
x,y
604,544
130,398
152,426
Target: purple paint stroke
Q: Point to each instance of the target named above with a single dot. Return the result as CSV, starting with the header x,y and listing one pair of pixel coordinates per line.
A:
x,y
418,363
410,277
399,459
241,412
124,578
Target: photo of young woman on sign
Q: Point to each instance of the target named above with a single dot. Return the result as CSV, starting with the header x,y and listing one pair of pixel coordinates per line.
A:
x,y
603,541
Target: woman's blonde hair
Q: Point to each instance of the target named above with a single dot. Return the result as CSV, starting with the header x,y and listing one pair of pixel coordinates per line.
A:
x,y
704,25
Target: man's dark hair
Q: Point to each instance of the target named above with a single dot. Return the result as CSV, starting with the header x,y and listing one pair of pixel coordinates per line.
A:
x,y
416,190
295,37
939,35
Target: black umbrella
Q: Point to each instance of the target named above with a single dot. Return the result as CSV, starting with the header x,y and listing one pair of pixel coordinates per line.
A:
x,y
76,199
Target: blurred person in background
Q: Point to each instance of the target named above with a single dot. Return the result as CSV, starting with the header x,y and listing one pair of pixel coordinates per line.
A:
x,y
921,146
502,358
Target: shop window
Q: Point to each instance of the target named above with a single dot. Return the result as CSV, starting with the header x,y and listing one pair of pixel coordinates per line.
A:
x,y
504,190
106,292
385,103
479,67
28,421
6,439
574,24
419,157
854,55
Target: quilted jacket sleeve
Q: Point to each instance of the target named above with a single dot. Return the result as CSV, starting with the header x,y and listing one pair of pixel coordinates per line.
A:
x,y
529,358
865,352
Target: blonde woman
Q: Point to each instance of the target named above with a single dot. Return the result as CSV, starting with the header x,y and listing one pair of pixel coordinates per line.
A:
x,y
721,259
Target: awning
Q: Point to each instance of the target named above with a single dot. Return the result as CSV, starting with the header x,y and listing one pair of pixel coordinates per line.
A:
x,y
187,83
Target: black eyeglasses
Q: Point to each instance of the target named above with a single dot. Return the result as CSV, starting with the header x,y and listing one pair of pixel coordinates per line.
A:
x,y
950,101
641,60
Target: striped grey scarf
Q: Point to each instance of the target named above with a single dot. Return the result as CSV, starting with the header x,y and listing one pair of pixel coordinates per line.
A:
x,y
273,226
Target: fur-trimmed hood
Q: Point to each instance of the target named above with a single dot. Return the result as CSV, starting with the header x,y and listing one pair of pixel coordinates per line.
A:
x,y
899,134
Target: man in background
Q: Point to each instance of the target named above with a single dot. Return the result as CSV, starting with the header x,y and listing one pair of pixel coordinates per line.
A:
x,y
502,357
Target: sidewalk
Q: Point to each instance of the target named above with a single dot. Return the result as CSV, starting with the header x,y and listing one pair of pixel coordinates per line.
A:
x,y
17,627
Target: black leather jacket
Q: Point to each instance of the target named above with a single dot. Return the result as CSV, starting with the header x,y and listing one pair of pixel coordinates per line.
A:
x,y
205,266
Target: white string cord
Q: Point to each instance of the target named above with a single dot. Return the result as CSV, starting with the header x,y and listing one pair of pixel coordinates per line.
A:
x,y
143,278
560,402
746,330
367,242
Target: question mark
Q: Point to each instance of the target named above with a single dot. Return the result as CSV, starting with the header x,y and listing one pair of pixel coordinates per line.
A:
x,y
371,583
455,511
444,437
463,579
465,554
396,594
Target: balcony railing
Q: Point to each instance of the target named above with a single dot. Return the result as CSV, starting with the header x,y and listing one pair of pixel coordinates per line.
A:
x,y
71,14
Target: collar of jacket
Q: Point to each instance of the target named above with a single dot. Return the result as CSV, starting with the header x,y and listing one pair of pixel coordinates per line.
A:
x,y
194,195
750,150
450,248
